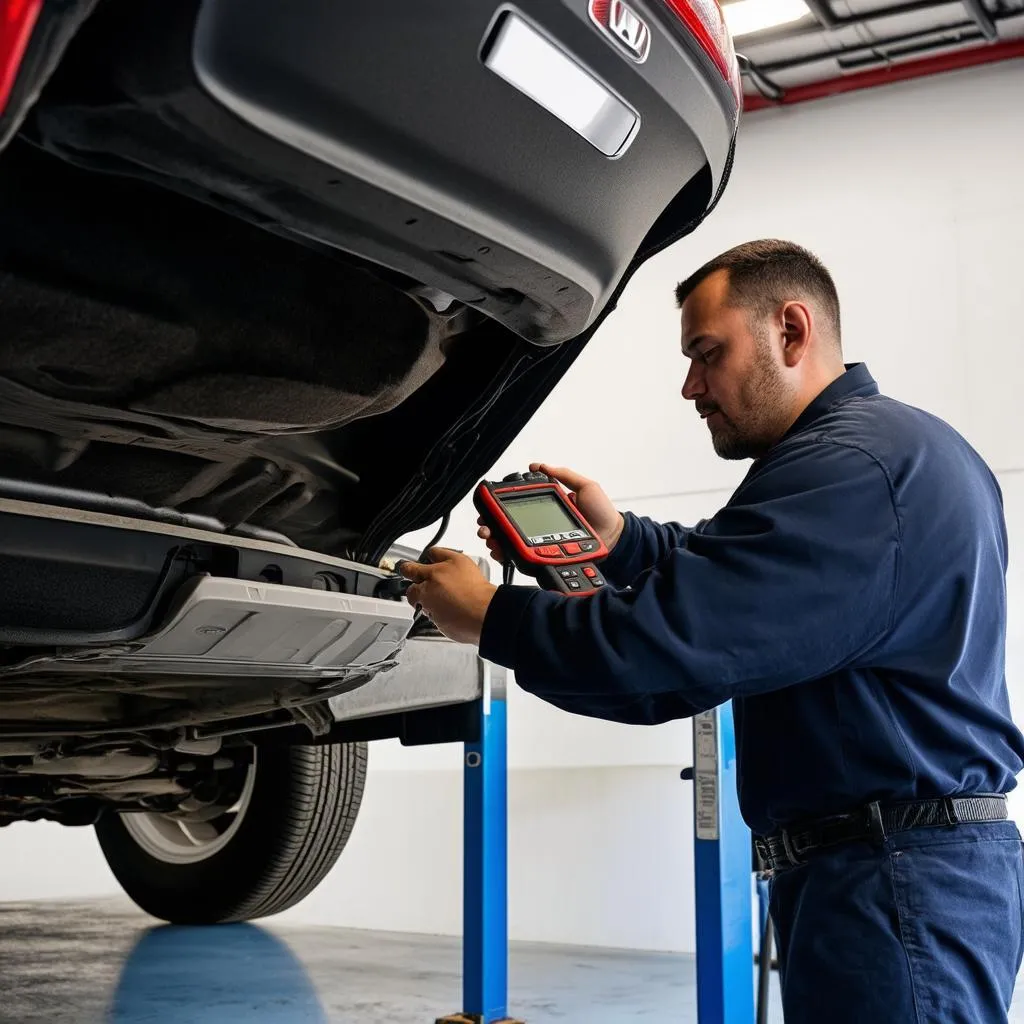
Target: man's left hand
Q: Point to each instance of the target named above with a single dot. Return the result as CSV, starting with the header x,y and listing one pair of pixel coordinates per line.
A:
x,y
452,590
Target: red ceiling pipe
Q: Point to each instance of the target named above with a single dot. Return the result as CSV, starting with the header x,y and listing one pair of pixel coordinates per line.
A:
x,y
952,61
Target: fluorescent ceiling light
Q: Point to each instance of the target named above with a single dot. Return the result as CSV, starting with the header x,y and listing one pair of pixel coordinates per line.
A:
x,y
746,16
543,71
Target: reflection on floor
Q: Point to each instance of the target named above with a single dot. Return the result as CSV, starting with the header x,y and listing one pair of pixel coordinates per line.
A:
x,y
103,961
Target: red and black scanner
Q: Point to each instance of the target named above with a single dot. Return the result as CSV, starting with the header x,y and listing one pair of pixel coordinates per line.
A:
x,y
542,532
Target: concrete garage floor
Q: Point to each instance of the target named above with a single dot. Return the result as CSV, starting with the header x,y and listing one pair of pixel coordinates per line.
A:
x,y
103,961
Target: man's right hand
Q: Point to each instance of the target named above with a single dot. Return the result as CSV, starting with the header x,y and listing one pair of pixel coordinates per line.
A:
x,y
589,498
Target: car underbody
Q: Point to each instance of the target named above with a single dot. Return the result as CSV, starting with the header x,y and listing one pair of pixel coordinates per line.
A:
x,y
236,365
171,354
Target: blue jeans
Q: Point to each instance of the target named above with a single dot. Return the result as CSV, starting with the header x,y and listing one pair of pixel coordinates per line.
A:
x,y
924,929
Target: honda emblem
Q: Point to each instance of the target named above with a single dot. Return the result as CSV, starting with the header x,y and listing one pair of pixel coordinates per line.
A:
x,y
622,24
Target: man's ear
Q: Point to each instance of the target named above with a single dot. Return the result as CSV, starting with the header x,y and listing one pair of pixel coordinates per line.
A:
x,y
797,326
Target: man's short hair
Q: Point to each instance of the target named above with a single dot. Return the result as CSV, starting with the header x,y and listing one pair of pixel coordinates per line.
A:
x,y
765,274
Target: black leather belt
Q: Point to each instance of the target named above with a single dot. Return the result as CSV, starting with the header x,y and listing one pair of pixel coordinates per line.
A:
x,y
793,845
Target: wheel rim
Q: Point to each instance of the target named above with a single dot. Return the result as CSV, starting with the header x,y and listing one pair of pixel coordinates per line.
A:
x,y
181,839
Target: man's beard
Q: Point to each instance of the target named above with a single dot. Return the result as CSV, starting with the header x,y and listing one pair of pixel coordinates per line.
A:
x,y
760,399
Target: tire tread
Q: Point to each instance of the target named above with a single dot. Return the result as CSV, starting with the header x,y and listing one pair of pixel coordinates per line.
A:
x,y
327,790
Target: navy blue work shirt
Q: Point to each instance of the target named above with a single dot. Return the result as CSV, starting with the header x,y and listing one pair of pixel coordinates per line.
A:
x,y
850,599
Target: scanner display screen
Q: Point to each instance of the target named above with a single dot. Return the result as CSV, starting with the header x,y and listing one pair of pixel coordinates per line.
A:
x,y
539,515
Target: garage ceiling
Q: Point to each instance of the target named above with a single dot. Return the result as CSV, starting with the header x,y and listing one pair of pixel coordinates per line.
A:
x,y
838,39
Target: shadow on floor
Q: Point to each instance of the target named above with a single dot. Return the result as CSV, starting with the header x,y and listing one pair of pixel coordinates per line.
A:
x,y
234,973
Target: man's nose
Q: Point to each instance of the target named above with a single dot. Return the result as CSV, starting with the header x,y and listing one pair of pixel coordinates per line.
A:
x,y
693,386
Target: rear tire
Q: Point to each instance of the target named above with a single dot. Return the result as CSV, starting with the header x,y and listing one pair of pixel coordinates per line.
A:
x,y
292,821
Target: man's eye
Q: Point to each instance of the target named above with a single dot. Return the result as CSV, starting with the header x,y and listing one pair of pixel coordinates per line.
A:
x,y
709,355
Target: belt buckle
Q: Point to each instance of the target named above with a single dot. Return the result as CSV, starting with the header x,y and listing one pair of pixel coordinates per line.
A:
x,y
952,818
792,855
876,826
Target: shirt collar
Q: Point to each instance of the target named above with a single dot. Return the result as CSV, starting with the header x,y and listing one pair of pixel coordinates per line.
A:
x,y
857,382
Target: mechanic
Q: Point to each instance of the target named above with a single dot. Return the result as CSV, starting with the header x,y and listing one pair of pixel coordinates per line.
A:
x,y
850,600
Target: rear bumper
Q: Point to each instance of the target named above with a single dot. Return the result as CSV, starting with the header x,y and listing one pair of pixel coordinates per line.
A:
x,y
379,129
441,169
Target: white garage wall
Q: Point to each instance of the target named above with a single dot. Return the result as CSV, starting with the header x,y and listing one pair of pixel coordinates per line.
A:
x,y
911,194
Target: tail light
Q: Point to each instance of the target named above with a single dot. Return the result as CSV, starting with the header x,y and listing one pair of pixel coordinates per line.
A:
x,y
704,20
17,19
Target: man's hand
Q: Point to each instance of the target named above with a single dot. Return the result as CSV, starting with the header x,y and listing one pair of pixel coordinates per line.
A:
x,y
587,495
452,590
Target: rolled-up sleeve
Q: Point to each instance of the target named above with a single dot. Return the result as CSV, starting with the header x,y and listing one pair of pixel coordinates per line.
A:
x,y
791,581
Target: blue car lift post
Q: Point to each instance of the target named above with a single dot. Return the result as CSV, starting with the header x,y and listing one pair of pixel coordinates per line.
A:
x,y
722,863
722,876
485,860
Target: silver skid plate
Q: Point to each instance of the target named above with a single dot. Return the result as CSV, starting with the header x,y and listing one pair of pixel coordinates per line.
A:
x,y
234,627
